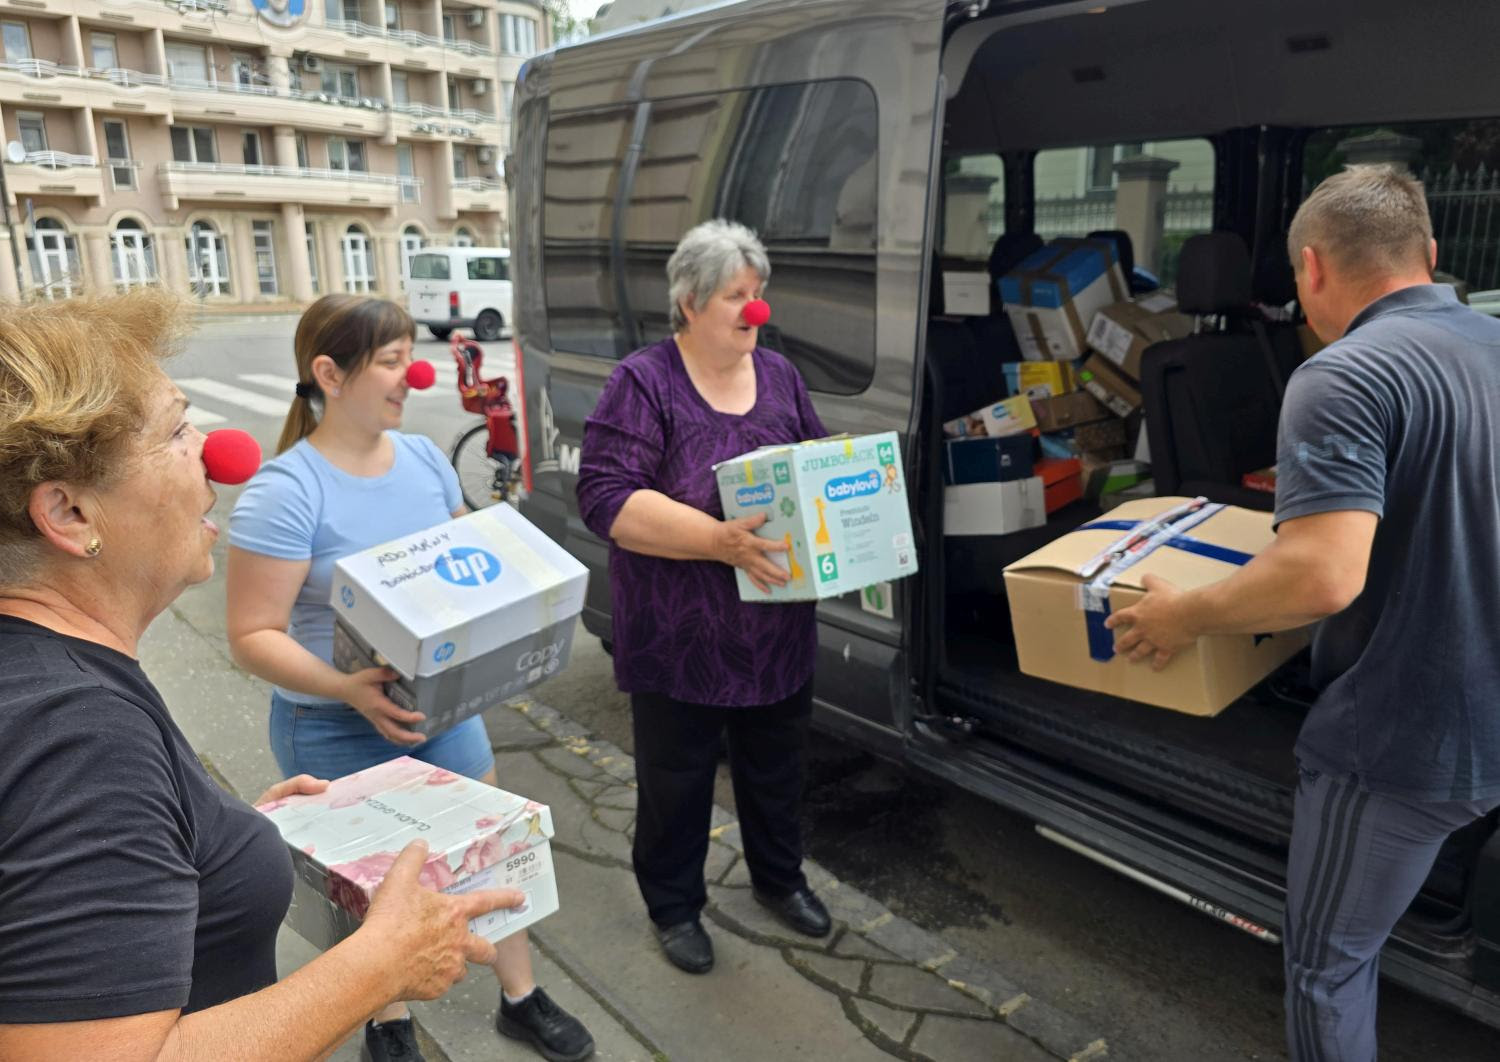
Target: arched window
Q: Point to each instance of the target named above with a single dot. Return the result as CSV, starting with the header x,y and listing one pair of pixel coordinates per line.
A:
x,y
132,254
53,254
463,238
208,260
359,261
411,243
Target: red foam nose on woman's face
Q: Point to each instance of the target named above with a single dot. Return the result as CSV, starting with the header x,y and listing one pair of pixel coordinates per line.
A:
x,y
756,312
420,375
230,455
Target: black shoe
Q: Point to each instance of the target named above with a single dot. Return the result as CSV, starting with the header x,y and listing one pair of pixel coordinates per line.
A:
x,y
687,946
391,1041
556,1034
802,910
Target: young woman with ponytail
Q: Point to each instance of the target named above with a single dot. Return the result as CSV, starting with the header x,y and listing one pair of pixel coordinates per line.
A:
x,y
346,478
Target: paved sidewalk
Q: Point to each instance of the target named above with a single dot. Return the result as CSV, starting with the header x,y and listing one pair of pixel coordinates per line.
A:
x,y
878,987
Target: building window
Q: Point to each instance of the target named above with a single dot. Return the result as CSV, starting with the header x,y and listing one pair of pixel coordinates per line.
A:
x,y
246,70
301,151
359,261
208,260
463,238
336,12
400,88
392,16
53,254
33,129
411,243
455,98
265,256
17,40
187,62
341,80
117,150
193,143
346,155
102,51
517,35
312,257
450,30
460,163
406,167
507,97
251,142
133,255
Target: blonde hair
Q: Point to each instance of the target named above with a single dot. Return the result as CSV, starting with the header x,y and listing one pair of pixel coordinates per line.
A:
x,y
349,329
1370,221
76,379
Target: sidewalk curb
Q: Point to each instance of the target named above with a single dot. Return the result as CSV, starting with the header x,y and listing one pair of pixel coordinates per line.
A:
x,y
1060,1034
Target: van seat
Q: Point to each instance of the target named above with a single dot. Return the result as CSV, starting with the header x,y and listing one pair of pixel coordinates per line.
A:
x,y
1212,400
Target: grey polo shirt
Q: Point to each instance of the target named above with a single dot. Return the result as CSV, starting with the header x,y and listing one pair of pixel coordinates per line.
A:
x,y
1401,418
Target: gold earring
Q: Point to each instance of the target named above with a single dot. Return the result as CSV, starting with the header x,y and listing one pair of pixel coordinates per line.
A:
x,y
93,548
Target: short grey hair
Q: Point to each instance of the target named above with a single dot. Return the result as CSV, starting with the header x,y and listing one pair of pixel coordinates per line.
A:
x,y
1370,220
707,257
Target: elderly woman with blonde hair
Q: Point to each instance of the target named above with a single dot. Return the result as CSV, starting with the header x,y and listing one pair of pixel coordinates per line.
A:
x,y
695,659
139,902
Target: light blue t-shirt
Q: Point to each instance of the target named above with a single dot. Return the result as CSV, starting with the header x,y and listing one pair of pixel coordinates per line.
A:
x,y
300,507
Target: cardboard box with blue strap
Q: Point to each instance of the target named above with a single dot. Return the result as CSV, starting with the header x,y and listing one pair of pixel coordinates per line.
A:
x,y
1052,296
1061,595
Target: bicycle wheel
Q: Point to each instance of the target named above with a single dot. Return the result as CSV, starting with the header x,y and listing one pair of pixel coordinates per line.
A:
x,y
483,480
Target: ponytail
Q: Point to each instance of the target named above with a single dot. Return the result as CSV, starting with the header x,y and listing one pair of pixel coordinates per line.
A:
x,y
299,424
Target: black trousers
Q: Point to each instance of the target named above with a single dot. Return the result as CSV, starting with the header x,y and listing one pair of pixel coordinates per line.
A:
x,y
676,755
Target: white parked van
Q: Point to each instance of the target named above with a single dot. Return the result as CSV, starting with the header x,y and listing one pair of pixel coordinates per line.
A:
x,y
460,287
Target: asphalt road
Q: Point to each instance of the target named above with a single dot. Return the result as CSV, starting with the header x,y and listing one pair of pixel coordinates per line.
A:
x,y
1162,981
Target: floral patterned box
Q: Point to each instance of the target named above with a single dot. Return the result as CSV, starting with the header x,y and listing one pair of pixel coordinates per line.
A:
x,y
344,839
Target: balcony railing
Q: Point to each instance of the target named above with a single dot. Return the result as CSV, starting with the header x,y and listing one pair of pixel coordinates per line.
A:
x,y
40,68
58,160
238,170
116,75
413,38
192,84
478,184
427,110
466,47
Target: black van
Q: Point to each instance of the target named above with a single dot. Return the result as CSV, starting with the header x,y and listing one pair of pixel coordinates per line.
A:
x,y
874,145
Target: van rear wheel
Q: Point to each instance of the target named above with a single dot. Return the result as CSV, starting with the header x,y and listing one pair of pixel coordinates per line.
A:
x,y
487,326
440,333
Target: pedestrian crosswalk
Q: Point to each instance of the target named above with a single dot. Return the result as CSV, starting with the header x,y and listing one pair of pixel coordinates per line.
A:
x,y
266,394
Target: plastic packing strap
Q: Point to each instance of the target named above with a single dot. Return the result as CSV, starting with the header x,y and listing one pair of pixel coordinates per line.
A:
x,y
1143,538
537,570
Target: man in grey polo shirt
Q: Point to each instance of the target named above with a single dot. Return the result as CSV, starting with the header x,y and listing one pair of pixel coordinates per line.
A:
x,y
1388,531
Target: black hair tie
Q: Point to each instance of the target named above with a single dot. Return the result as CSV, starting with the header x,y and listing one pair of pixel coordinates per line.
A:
x,y
306,390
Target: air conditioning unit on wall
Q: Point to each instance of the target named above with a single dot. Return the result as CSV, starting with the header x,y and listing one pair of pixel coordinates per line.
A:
x,y
486,154
311,63
479,86
474,18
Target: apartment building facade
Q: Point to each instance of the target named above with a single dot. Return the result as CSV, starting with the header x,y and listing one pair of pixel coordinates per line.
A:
x,y
252,151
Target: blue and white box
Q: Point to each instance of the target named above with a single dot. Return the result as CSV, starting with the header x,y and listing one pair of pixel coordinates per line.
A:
x,y
1052,295
438,599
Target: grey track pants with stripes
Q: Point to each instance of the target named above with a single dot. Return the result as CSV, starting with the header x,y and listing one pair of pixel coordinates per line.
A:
x,y
1357,861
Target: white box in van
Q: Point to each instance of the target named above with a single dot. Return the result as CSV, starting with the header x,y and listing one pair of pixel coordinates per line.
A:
x,y
436,599
994,508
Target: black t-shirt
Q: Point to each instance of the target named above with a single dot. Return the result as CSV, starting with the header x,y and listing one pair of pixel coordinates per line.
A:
x,y
129,881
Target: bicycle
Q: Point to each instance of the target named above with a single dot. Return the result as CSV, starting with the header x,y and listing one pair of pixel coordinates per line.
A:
x,y
487,457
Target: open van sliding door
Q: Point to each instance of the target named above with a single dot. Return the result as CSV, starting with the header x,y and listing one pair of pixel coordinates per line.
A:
x,y
814,124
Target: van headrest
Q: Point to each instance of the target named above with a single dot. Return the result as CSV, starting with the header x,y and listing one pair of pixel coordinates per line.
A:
x,y
1010,249
1275,283
1213,274
1124,249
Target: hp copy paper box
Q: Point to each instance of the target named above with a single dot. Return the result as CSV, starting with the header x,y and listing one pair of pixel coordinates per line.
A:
x,y
1061,595
344,840
450,697
838,504
435,600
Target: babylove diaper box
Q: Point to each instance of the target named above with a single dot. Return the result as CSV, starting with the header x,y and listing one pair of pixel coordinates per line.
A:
x,y
344,840
1061,596
486,594
838,504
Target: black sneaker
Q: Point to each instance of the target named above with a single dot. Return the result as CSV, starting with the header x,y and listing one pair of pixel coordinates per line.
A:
x,y
391,1041
556,1034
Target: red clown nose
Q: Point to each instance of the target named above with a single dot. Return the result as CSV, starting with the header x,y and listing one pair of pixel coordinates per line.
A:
x,y
756,312
420,375
230,455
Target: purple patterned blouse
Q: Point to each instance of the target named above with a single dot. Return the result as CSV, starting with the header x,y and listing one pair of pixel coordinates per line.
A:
x,y
680,628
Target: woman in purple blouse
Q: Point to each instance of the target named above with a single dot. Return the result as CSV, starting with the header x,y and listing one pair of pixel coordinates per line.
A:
x,y
693,657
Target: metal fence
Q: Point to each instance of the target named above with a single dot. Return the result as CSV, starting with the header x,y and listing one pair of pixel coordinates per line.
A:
x,y
1466,223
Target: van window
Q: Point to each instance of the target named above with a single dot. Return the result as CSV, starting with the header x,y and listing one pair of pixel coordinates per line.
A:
x,y
1458,163
490,267
797,163
1077,192
429,267
973,215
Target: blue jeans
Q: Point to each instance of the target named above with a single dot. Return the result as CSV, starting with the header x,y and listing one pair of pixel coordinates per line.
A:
x,y
332,740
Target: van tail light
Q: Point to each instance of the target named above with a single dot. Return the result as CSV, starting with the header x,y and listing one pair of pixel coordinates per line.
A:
x,y
518,398
452,304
